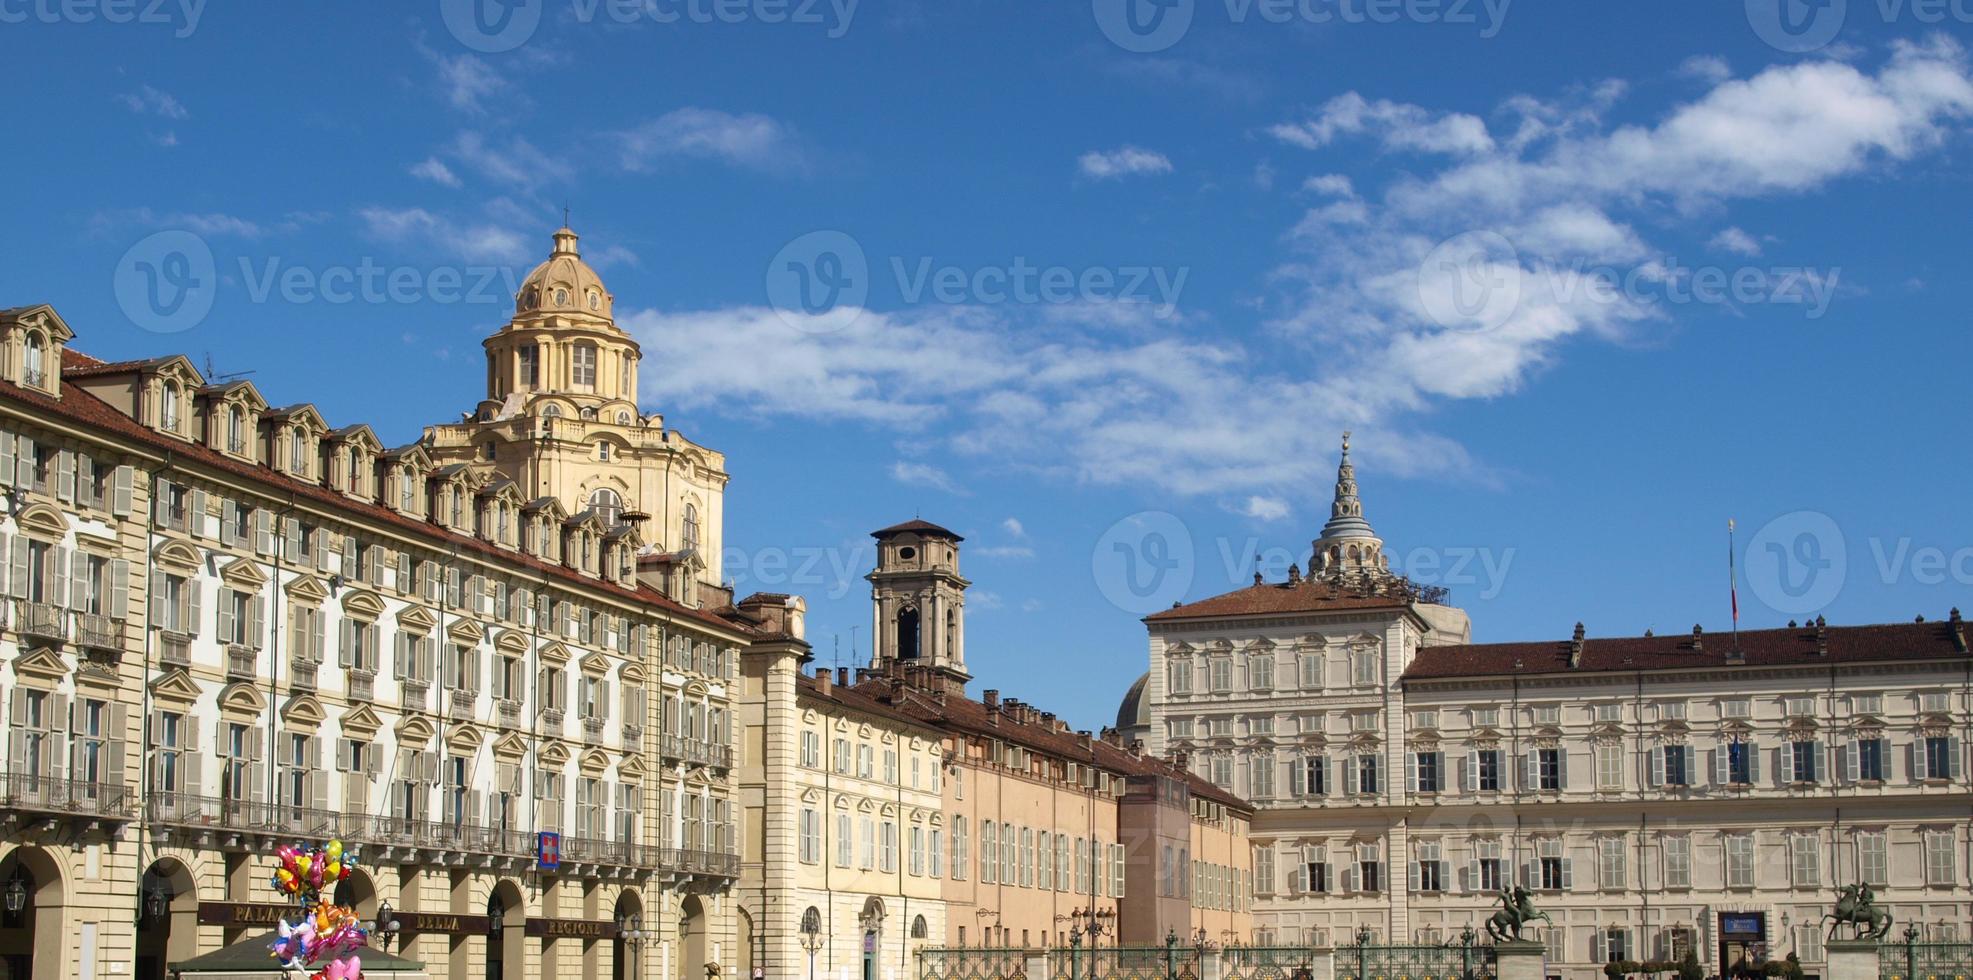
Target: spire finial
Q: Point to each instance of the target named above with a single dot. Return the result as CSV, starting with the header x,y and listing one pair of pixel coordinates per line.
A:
x,y
565,215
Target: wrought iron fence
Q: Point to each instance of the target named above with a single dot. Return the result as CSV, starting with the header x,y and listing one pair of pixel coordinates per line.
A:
x,y
1461,959
1266,963
1913,960
973,963
1171,961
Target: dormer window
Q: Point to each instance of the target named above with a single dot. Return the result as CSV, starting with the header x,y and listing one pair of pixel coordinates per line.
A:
x,y
297,451
236,434
407,491
34,366
168,408
551,412
561,297
623,418
531,298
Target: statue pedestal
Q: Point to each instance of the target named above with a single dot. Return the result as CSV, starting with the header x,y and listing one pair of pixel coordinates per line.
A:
x,y
1521,959
1852,959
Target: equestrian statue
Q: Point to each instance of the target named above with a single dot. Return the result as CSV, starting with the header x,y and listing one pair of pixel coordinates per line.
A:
x,y
1517,908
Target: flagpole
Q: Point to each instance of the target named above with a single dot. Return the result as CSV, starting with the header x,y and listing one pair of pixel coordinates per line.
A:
x,y
1733,584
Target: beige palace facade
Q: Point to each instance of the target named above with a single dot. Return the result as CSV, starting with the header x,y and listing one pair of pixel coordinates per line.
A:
x,y
1657,793
229,625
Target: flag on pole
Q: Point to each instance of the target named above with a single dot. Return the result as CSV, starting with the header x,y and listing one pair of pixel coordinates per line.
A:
x,y
1732,578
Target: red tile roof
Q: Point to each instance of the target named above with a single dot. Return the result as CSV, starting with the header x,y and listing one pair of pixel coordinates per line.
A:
x,y
1946,640
79,406
1307,595
963,714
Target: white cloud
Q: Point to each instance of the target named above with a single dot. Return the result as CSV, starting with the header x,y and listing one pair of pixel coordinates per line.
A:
x,y
749,140
1736,241
1264,508
1333,185
150,101
1005,551
467,82
435,170
1013,528
924,475
1399,126
1124,161
513,161
1709,68
980,600
449,238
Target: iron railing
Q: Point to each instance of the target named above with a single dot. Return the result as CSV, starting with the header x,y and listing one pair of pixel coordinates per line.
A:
x,y
1913,960
698,752
48,794
174,649
1461,959
98,632
697,861
1266,963
973,963
44,620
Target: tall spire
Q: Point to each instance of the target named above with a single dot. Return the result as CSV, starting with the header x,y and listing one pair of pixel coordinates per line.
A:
x,y
1348,546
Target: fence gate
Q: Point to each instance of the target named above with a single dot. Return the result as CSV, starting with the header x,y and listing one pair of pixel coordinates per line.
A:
x,y
1445,961
973,963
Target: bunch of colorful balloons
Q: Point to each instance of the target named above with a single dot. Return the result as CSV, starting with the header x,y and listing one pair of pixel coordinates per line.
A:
x,y
321,930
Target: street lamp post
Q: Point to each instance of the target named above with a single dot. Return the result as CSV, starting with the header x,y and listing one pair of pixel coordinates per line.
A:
x,y
812,939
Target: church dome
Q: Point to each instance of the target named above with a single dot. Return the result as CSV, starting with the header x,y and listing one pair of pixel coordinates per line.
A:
x,y
564,284
1134,714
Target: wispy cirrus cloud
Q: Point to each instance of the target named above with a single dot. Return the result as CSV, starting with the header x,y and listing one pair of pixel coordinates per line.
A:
x,y
472,241
916,474
1124,161
750,140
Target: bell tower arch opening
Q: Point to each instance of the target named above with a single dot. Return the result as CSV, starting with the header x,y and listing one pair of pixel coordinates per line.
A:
x,y
918,603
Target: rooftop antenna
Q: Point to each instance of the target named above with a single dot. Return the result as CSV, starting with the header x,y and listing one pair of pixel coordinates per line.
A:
x,y
212,373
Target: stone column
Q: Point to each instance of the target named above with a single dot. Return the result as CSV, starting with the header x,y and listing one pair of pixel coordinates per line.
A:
x,y
1322,963
1852,959
1036,964
1209,965
1520,959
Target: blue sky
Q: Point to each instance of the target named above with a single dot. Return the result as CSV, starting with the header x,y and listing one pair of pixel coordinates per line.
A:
x,y
1586,280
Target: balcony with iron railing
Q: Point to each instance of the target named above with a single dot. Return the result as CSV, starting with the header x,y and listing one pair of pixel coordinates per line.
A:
x,y
699,753
45,795
242,662
45,621
98,632
694,861
174,649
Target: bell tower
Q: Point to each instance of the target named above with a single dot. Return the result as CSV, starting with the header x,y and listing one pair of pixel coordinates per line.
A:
x,y
918,602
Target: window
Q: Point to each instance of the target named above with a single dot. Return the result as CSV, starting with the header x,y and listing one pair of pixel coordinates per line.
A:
x,y
1428,874
1314,872
890,766
1486,717
690,537
1263,870
1427,772
865,761
1179,675
989,853
1935,702
1312,776
916,852
1941,757
1610,870
530,360
1486,770
1678,860
1369,870
1939,858
960,858
35,362
1616,944
1553,871
1801,762
168,412
868,828
1740,760
582,366
1260,782
1488,868
1222,771
1798,707
1867,760
1548,714
811,750
1260,672
1311,672
1609,714
1548,766
1609,766
1673,765
1671,711
1736,708
1805,860
1363,668
1866,704
1739,860
842,755
1260,725
1873,857
845,842
1366,775
1219,674
1425,719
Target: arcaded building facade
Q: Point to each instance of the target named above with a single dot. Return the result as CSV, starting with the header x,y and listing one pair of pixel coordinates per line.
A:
x,y
229,625
1657,793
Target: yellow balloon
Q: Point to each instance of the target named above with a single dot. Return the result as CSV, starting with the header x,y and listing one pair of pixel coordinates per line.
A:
x,y
302,863
335,849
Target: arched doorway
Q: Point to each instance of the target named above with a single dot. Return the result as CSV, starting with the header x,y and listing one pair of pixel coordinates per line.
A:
x,y
506,932
358,892
33,932
167,918
691,939
743,953
629,917
871,919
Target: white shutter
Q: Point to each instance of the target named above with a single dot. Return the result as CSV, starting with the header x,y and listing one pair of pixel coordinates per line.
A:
x,y
1296,765
1568,874
7,459
1530,771
1691,764
1656,777
78,579
120,492
1753,763
24,462
65,476
1562,768
119,572
1722,764
1469,773
1411,773
195,518
226,624
1955,757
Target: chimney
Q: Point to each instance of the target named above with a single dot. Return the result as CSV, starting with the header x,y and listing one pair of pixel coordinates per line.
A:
x,y
990,698
824,683
1257,580
1821,637
842,676
1698,637
1958,630
1576,647
1294,574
